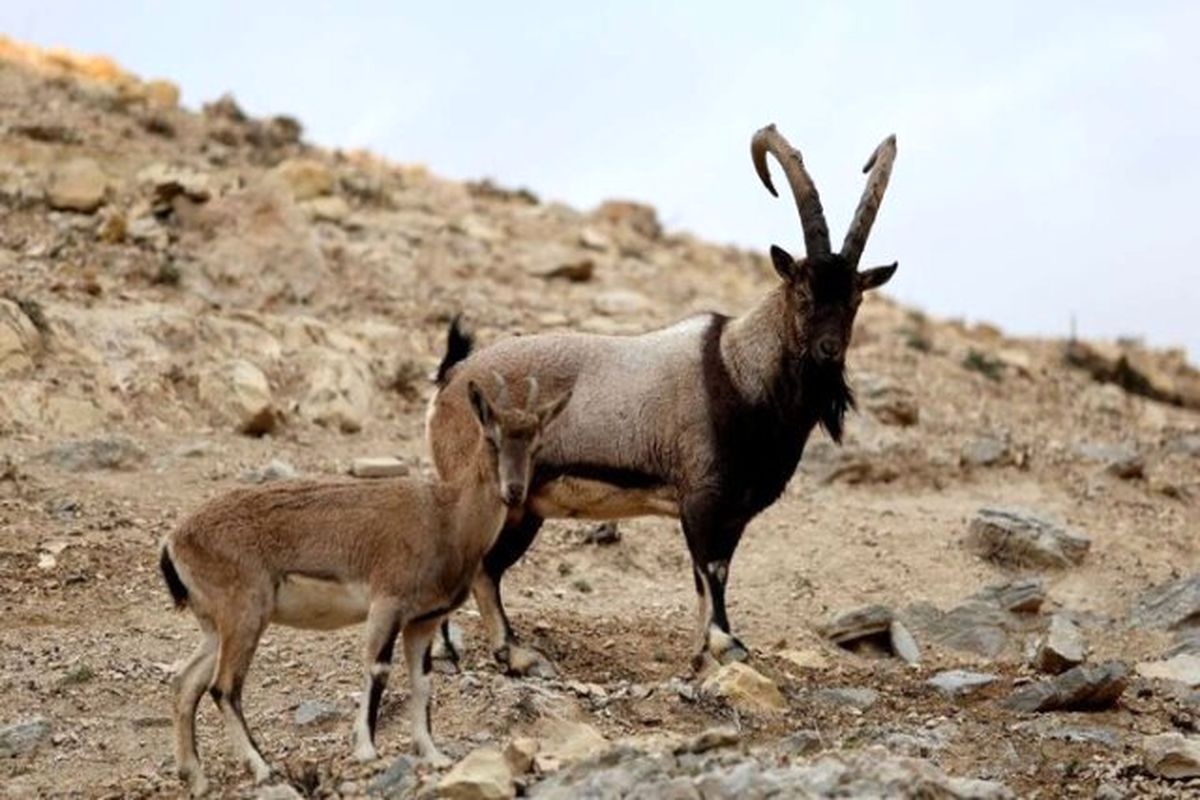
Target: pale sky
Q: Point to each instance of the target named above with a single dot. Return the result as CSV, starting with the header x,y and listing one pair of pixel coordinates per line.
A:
x,y
1048,151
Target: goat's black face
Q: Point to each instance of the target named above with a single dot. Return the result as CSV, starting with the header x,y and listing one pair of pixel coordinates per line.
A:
x,y
825,293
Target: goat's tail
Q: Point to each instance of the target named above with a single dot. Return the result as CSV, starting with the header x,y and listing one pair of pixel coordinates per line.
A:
x,y
458,346
179,592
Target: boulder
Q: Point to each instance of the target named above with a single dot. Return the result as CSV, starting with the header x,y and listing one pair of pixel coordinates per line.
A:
x,y
710,739
1078,689
986,451
1061,648
1120,460
305,177
562,742
1183,668
238,391
161,94
1022,595
856,697
330,208
637,217
1015,537
974,627
857,624
519,753
315,712
620,302
20,340
77,185
396,781
1172,756
743,686
339,394
483,774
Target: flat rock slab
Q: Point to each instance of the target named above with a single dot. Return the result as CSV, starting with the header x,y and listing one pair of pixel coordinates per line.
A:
x,y
1169,606
1021,595
23,737
383,467
960,683
858,624
1184,668
745,687
851,696
1078,689
483,774
973,627
1019,538
314,712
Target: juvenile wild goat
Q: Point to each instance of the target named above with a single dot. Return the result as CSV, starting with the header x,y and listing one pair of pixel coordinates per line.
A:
x,y
399,554
705,420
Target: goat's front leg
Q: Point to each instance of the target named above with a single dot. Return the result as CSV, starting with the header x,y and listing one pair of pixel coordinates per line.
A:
x,y
383,625
518,659
418,642
712,540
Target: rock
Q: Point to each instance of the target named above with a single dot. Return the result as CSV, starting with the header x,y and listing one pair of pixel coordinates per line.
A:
x,y
986,451
1121,460
238,391
854,697
957,683
20,340
396,780
802,743
1024,595
805,659
23,737
279,791
339,395
275,470
903,644
1172,756
77,185
1061,648
1186,641
593,239
1170,606
974,627
1078,689
378,467
331,208
107,452
711,739
890,403
579,271
519,753
1187,444
1184,668
1014,537
483,774
562,742
859,623
604,533
161,94
314,712
306,177
620,302
168,181
745,687
638,217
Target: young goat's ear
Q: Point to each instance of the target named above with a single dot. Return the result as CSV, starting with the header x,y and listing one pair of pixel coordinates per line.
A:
x,y
785,265
876,276
548,412
480,404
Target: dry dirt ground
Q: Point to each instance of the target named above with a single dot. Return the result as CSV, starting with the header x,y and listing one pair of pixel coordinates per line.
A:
x,y
334,280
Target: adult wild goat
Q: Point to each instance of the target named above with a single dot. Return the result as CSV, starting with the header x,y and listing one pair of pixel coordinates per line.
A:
x,y
705,420
400,554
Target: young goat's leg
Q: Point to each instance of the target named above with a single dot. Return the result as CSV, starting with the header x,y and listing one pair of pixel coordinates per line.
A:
x,y
239,638
383,624
189,685
418,640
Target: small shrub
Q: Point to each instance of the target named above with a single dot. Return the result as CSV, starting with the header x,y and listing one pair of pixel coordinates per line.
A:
x,y
168,273
78,674
983,364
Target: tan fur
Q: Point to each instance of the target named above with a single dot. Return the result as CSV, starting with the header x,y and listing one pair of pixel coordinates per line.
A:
x,y
399,554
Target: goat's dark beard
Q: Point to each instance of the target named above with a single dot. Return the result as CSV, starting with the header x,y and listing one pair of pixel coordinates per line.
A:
x,y
824,394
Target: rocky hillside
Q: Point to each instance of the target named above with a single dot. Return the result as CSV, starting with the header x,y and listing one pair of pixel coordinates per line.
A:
x,y
997,578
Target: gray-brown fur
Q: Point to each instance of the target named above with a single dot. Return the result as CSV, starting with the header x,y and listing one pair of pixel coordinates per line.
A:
x,y
399,554
705,420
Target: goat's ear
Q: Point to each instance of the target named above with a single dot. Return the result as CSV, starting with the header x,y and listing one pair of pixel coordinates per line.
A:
x,y
785,265
548,412
876,276
480,404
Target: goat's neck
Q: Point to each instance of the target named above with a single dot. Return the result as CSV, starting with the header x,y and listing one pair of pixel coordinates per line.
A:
x,y
478,512
761,347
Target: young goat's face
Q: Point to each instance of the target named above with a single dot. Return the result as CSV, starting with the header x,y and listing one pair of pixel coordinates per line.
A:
x,y
823,296
513,435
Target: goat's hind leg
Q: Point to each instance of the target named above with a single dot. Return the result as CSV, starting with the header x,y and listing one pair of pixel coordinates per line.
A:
x,y
239,639
188,686
383,624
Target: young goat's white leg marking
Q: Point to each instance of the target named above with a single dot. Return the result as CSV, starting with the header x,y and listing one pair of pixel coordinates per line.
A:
x,y
418,638
383,621
189,685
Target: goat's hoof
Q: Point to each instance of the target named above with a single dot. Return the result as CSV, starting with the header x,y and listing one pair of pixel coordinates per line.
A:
x,y
734,651
437,759
365,753
525,662
196,782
